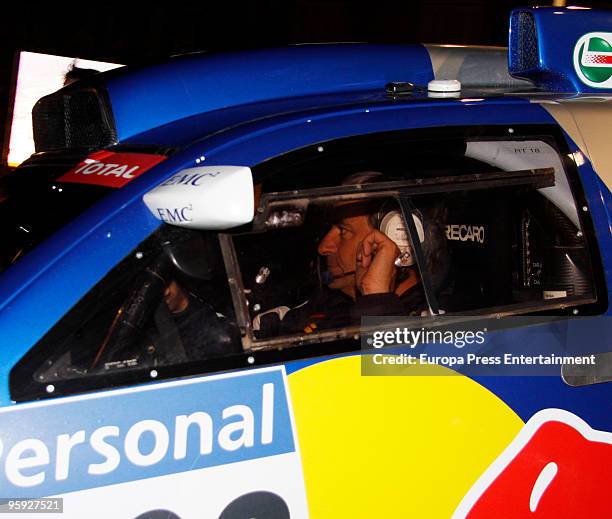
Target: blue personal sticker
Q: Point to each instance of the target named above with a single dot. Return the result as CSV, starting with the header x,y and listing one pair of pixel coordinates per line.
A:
x,y
88,441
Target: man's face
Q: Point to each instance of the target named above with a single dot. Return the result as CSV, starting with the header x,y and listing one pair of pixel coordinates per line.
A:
x,y
175,297
339,246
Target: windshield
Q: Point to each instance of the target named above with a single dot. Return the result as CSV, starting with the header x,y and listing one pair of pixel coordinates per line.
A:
x,y
33,205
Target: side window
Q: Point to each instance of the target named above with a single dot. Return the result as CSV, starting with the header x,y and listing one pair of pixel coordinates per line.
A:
x,y
166,304
479,227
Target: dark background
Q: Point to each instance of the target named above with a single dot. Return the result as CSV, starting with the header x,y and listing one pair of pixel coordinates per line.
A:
x,y
122,33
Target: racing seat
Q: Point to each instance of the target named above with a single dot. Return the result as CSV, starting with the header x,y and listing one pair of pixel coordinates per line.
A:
x,y
479,238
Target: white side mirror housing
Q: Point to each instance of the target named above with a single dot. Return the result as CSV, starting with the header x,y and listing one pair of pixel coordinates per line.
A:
x,y
209,197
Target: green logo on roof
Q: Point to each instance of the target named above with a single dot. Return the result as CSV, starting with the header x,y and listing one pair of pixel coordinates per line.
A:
x,y
593,59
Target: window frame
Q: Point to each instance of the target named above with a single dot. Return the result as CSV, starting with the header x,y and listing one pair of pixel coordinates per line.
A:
x,y
404,192
550,134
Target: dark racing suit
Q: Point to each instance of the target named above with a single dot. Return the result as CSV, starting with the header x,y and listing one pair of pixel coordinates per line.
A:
x,y
329,309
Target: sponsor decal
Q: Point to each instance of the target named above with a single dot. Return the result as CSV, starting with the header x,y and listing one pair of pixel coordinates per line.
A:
x,y
557,466
364,443
189,179
593,59
175,215
461,232
105,168
204,197
134,434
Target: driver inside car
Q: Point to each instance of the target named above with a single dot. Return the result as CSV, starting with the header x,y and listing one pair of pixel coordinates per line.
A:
x,y
362,277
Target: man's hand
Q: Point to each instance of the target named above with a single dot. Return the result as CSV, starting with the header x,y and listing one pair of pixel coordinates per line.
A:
x,y
375,268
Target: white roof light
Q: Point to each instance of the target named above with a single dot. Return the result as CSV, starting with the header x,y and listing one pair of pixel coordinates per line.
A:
x,y
444,85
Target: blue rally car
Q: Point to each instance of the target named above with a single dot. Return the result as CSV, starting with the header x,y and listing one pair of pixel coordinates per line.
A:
x,y
203,259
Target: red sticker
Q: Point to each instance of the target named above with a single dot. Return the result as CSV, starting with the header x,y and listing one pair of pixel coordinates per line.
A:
x,y
556,467
105,168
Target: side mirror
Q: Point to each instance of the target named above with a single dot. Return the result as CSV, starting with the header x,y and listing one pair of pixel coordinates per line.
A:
x,y
210,197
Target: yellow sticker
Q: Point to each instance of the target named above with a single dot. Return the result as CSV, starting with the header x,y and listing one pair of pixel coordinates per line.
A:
x,y
394,446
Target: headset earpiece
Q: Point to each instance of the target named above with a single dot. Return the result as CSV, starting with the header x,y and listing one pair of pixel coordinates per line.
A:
x,y
392,225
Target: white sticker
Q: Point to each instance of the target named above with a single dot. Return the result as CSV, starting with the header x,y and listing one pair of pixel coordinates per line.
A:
x,y
211,197
554,294
203,447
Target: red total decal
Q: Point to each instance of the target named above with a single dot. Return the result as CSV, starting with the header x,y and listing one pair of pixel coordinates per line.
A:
x,y
105,168
556,467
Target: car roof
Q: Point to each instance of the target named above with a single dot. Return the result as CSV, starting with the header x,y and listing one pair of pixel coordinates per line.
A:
x,y
197,127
